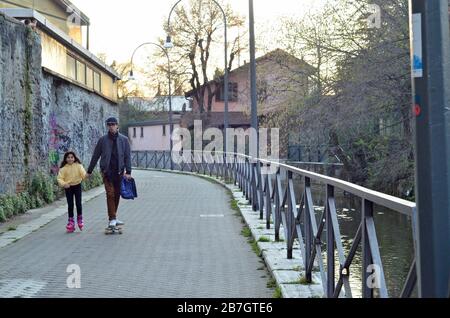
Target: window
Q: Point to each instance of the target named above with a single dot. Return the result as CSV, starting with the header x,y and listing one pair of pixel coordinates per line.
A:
x,y
134,132
81,72
232,92
164,130
71,67
142,132
97,82
89,77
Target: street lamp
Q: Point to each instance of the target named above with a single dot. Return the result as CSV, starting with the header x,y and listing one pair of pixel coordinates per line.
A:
x,y
131,77
169,44
254,99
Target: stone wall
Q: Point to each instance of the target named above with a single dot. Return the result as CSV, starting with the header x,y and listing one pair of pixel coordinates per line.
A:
x,y
74,119
41,116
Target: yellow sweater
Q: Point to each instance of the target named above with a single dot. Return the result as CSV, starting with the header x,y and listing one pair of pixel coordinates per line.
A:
x,y
71,175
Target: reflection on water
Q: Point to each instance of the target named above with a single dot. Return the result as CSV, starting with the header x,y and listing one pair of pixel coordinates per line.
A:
x,y
394,233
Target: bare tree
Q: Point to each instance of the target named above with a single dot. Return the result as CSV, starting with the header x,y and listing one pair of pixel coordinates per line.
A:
x,y
361,109
197,33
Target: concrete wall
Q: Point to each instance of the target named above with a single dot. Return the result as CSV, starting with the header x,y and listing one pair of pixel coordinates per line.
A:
x,y
74,119
41,116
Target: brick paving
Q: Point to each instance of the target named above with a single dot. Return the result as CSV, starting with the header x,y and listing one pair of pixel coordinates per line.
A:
x,y
181,240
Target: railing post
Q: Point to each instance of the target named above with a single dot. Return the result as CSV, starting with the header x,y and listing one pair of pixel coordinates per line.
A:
x,y
278,202
254,187
241,175
367,211
260,192
235,169
308,232
246,179
268,200
330,244
290,220
154,158
216,166
164,160
211,162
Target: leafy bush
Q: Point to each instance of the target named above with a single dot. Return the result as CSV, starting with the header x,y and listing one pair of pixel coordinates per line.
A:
x,y
7,206
42,187
2,214
41,191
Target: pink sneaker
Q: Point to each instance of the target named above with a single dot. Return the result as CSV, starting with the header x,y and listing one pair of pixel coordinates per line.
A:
x,y
70,226
80,222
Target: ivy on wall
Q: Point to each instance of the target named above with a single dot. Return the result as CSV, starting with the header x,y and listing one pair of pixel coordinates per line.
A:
x,y
28,110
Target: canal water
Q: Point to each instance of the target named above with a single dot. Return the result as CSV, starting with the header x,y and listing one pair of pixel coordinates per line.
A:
x,y
394,234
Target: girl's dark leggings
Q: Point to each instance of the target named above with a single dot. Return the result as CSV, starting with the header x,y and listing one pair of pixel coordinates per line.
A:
x,y
74,191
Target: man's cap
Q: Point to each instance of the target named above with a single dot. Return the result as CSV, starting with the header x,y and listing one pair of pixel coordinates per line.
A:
x,y
112,120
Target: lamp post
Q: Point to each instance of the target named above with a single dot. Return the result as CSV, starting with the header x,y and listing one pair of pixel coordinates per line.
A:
x,y
169,44
170,90
254,99
431,100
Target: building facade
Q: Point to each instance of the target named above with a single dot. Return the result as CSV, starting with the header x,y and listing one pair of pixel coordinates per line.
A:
x,y
151,135
60,25
280,77
57,13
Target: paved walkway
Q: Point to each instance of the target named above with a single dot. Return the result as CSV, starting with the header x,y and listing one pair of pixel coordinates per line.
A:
x,y
181,240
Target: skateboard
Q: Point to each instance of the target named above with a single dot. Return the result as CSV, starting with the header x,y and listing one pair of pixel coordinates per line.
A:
x,y
110,230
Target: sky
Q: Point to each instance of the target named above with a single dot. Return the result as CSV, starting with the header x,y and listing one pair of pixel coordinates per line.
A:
x,y
118,27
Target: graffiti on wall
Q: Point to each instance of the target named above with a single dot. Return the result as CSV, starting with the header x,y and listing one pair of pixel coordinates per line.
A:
x,y
59,143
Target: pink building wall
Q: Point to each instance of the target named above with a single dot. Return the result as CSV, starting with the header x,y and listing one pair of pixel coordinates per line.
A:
x,y
280,78
241,105
153,138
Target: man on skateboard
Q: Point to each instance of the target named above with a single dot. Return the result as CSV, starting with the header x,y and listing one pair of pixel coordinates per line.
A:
x,y
114,151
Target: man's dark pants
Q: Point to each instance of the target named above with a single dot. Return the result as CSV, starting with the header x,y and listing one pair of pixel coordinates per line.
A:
x,y
112,187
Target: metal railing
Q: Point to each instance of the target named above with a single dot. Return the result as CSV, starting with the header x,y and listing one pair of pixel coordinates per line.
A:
x,y
276,200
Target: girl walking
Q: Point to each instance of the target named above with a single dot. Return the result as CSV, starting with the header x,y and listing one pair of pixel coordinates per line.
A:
x,y
70,176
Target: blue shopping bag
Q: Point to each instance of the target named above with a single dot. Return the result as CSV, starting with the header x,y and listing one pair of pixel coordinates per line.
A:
x,y
128,189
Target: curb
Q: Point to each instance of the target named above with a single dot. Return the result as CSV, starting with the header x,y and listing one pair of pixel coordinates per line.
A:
x,y
25,229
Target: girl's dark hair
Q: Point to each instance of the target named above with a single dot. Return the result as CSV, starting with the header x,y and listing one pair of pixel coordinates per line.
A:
x,y
63,163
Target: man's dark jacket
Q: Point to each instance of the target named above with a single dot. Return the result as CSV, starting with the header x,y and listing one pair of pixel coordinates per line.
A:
x,y
104,149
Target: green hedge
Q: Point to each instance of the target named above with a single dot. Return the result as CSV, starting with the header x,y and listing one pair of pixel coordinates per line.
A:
x,y
42,190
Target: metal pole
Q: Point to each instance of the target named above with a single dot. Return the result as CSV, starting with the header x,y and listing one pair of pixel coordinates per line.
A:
x,y
431,93
170,91
170,110
226,84
226,87
253,77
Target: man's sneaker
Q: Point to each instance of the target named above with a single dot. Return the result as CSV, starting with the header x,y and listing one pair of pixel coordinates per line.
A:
x,y
70,226
112,223
118,223
80,222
